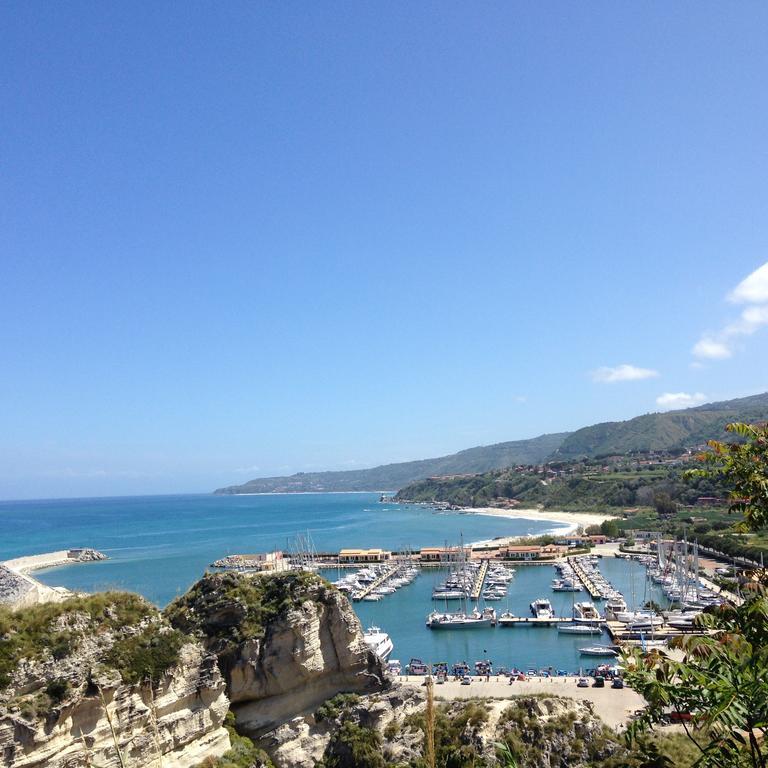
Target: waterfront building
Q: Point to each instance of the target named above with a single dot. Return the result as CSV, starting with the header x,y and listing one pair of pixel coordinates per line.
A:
x,y
364,555
438,554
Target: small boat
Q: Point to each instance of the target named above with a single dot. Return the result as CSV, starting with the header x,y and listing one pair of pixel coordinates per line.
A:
x,y
379,642
579,629
598,650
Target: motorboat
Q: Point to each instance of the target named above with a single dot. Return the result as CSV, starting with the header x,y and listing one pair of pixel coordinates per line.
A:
x,y
614,607
416,667
565,585
586,612
484,618
542,609
379,642
598,650
579,629
394,667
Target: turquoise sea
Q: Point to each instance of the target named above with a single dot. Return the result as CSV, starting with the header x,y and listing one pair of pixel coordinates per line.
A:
x,y
159,545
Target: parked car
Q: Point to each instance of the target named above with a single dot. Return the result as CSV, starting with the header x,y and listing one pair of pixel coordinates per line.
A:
x,y
583,682
466,680
617,683
599,682
679,717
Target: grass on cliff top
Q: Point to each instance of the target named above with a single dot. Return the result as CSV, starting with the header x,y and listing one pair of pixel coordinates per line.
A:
x,y
31,633
235,607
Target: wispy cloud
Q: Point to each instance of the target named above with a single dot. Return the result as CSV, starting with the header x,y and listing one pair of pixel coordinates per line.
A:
x,y
624,372
669,401
247,470
752,291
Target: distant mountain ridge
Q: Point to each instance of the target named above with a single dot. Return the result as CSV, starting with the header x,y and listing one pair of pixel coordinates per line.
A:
x,y
393,476
651,432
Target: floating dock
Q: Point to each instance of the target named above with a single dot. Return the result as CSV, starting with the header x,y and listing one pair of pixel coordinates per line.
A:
x,y
594,592
388,574
477,586
532,621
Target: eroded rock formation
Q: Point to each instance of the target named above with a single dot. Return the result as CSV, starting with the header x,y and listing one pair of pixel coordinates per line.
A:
x,y
285,643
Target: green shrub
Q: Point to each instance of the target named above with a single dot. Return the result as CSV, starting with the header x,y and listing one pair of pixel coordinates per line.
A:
x,y
57,690
354,746
336,707
31,633
147,655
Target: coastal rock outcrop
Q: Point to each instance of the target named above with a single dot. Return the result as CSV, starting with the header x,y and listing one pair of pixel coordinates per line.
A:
x,y
285,643
104,681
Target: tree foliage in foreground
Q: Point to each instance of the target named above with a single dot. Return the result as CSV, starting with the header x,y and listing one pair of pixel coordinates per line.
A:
x,y
744,469
722,682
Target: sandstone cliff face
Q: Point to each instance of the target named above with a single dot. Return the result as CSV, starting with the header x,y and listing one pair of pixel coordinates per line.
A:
x,y
66,709
307,656
302,646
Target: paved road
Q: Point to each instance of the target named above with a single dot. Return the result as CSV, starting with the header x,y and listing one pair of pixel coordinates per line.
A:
x,y
614,707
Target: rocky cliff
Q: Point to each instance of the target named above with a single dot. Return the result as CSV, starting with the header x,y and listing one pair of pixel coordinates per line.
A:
x,y
285,643
105,681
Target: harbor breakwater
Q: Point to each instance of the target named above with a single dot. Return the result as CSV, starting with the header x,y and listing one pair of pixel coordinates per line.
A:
x,y
19,590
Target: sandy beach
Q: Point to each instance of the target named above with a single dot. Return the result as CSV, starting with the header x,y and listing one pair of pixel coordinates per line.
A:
x,y
573,520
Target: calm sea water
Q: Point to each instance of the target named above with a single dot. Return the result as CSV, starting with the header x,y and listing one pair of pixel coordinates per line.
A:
x,y
160,545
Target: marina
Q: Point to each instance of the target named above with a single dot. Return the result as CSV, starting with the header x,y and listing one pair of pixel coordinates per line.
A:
x,y
401,593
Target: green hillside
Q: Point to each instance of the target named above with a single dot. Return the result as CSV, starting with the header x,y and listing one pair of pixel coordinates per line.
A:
x,y
394,476
580,488
674,430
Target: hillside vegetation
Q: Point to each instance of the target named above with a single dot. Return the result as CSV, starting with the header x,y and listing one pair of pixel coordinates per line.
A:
x,y
671,431
580,486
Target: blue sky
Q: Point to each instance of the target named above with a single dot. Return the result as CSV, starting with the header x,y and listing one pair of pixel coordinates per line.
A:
x,y
254,238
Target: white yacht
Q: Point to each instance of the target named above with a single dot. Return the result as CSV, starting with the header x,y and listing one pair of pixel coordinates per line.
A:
x,y
598,650
586,613
379,642
614,607
542,609
486,618
579,629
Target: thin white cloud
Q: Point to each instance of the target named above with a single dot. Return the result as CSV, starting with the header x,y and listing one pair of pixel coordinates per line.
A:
x,y
624,372
752,291
670,401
